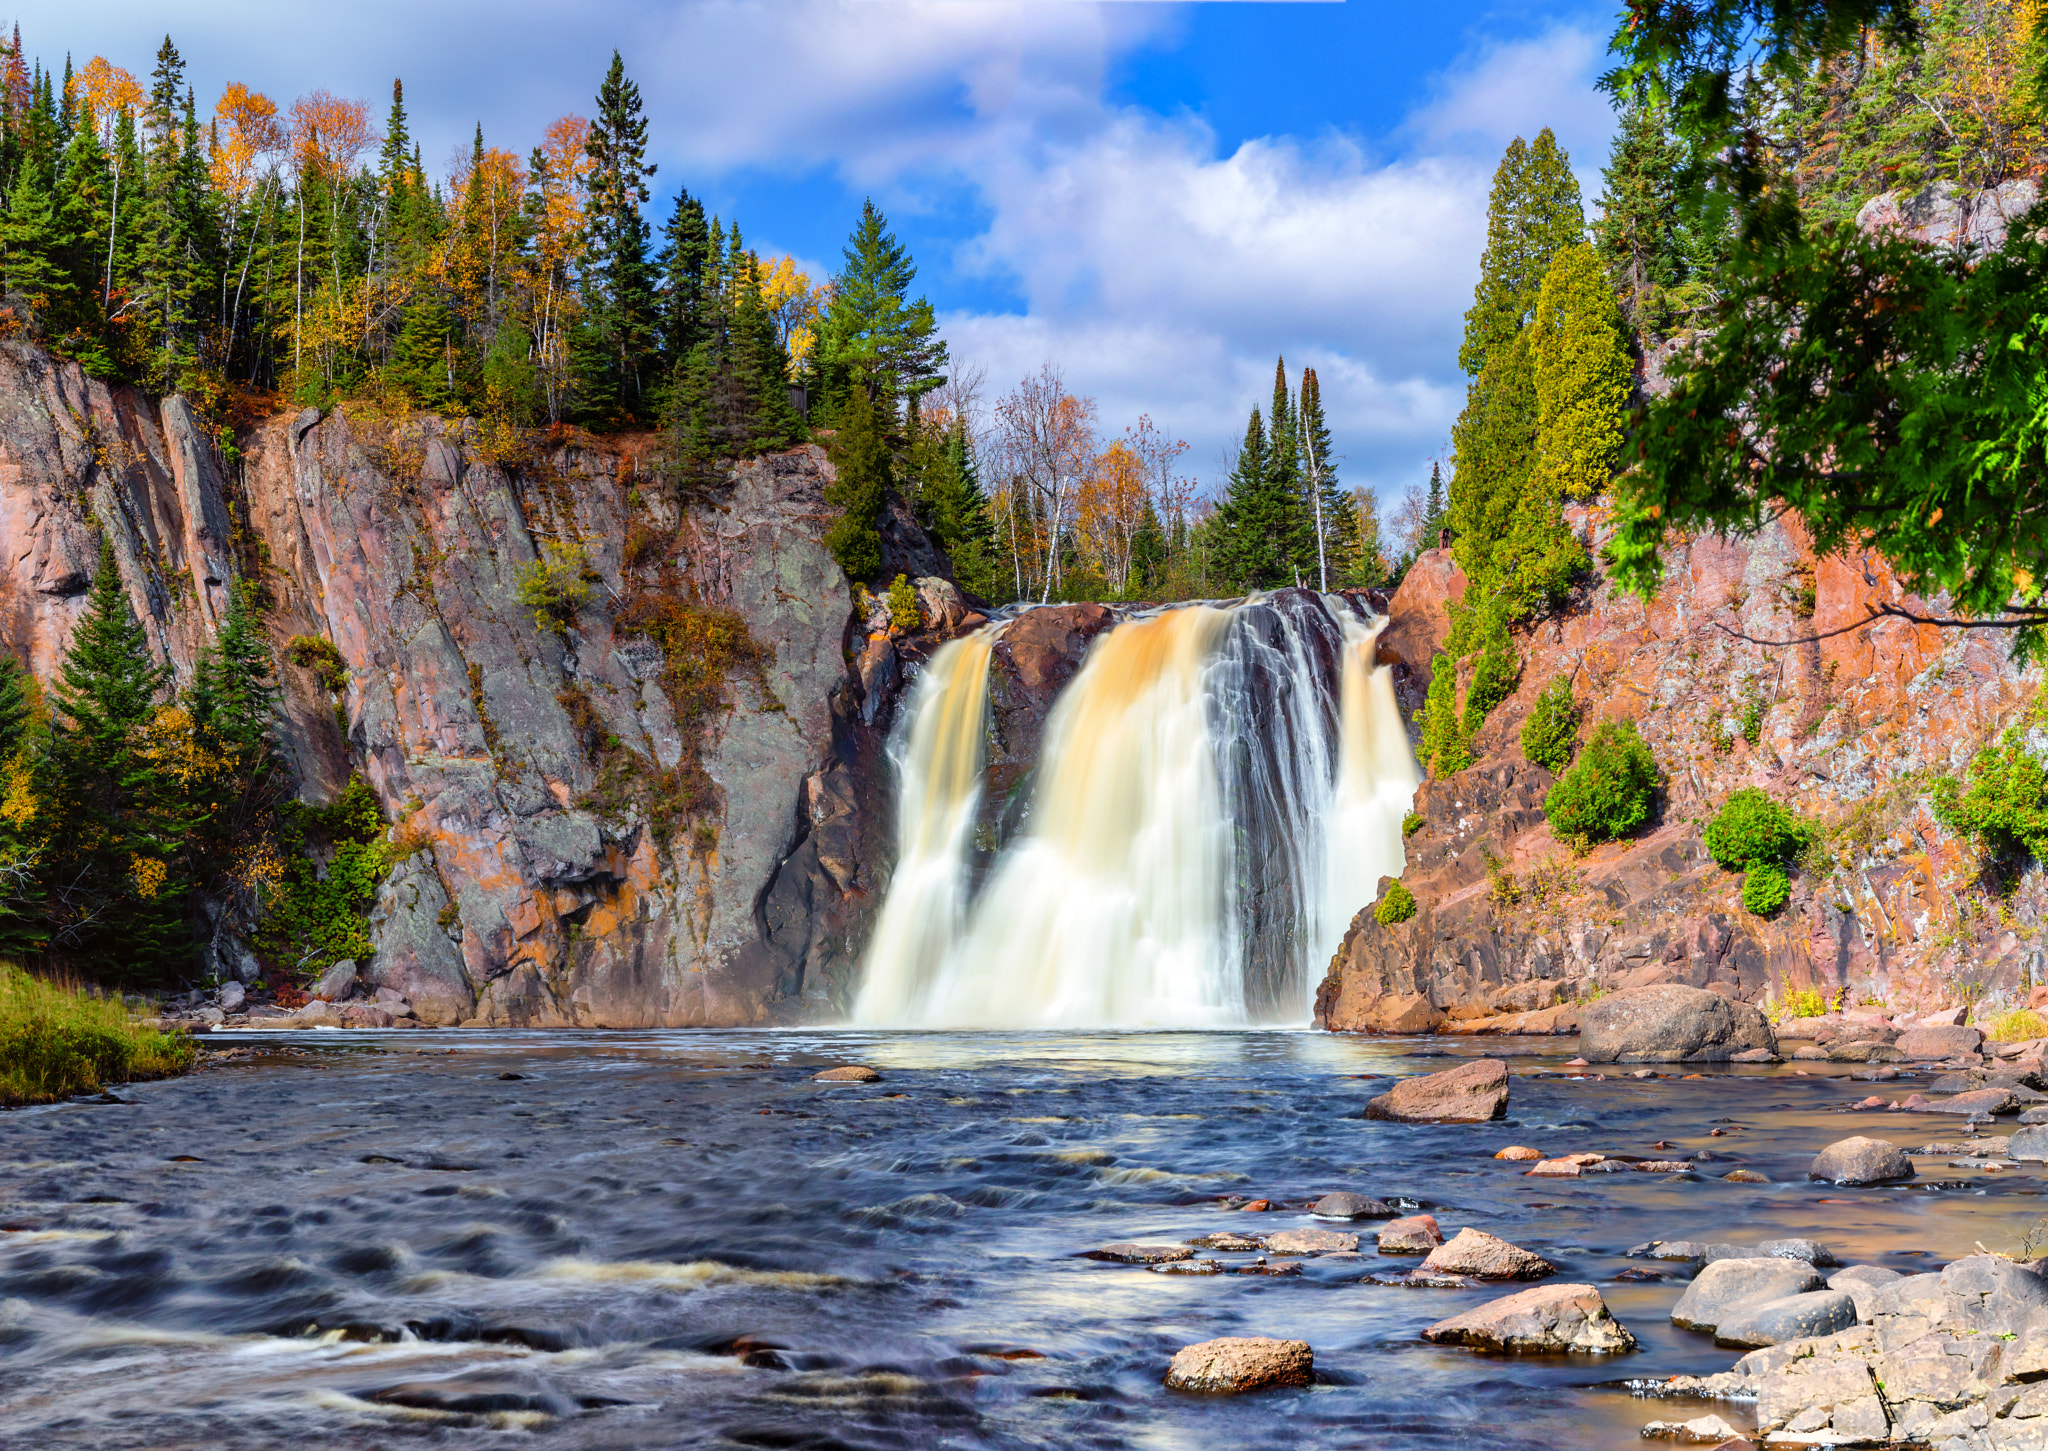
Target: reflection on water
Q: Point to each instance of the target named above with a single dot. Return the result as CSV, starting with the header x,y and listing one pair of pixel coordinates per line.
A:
x,y
654,1240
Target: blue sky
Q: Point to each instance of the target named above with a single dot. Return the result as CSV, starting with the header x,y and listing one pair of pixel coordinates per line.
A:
x,y
1157,197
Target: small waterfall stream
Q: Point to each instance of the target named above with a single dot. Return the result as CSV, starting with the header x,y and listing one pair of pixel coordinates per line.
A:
x,y
1221,788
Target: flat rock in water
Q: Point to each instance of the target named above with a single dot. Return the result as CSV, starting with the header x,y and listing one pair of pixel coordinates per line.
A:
x,y
1724,1289
1795,1317
1227,1240
1187,1267
853,1073
2035,1116
1938,1042
1754,1055
1745,1176
1236,1364
1475,1252
1519,1152
1473,1093
1670,1023
1139,1254
1547,1318
1700,1431
1309,1242
1351,1206
1860,1161
1982,1100
2030,1144
1418,1234
1570,1166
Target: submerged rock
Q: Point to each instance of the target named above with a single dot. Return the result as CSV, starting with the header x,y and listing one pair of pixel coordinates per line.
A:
x,y
1351,1206
1473,1093
1475,1252
1226,1240
852,1073
1236,1364
1548,1318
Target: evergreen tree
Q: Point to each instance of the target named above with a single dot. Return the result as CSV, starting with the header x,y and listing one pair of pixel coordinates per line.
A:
x,y
860,453
1284,480
425,359
1582,376
1340,562
613,356
117,911
1638,231
682,262
1435,510
234,689
1534,210
871,332
1256,530
954,509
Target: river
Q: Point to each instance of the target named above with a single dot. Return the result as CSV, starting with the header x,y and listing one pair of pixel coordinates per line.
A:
x,y
679,1239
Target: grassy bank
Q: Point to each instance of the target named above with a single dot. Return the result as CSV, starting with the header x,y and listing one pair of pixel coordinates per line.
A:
x,y
56,1041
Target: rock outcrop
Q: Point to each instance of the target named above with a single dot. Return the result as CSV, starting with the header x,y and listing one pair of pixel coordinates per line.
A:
x,y
1670,1023
598,835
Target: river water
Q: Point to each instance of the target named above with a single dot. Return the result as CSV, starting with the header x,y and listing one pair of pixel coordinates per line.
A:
x,y
679,1239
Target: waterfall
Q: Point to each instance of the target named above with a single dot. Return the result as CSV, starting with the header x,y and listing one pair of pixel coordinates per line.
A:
x,y
1219,790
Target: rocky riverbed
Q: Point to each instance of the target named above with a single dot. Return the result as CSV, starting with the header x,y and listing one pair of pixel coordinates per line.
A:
x,y
370,1238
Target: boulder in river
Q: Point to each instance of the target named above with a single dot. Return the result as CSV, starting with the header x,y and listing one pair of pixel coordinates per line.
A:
x,y
1519,1152
1935,1041
1861,1284
852,1073
1861,1161
1475,1092
1139,1254
1547,1318
1236,1364
2029,1145
1670,1023
1795,1317
1418,1234
1489,1257
1724,1289
1310,1242
1351,1206
1979,1100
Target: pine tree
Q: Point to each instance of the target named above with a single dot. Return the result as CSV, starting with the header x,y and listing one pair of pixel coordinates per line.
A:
x,y
1534,210
1638,231
117,912
871,332
614,356
860,453
1256,529
682,262
1339,560
426,358
1435,510
234,688
1582,376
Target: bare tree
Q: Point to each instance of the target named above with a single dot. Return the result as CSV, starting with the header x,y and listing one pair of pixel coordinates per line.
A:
x,y
1046,437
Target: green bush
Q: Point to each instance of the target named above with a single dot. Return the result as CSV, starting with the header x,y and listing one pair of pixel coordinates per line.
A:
x,y
1765,887
1444,748
1608,794
317,654
556,585
1494,676
1397,906
1413,822
1753,716
56,1041
315,919
1806,1003
2004,809
904,610
1552,729
1751,828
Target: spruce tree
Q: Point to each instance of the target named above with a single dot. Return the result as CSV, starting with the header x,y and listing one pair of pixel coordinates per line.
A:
x,y
1340,560
860,454
1534,210
681,263
234,689
871,331
1256,529
425,360
1435,510
1638,230
614,353
955,510
1284,480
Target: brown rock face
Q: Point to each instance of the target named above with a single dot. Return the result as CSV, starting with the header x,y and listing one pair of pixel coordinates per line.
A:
x,y
528,764
1237,1364
1514,933
1472,1094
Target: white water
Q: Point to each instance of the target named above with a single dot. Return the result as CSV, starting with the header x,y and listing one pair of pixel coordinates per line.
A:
x,y
1205,821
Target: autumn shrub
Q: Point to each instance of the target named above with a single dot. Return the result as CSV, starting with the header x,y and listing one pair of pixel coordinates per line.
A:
x,y
2018,1026
1765,887
1609,792
318,654
2004,805
1805,1002
556,585
57,1040
905,613
1397,906
1551,732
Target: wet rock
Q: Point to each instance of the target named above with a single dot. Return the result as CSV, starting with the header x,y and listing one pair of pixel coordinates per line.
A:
x,y
1725,1288
1236,1364
1187,1267
1473,1093
1860,1161
852,1073
1242,1243
1547,1318
336,983
1864,1051
1861,1284
1519,1152
1488,1257
1309,1241
1700,1431
317,1014
1795,1317
2030,1144
1139,1254
1755,1055
1670,1023
1418,1234
1351,1206
1982,1100
1932,1041
1810,1053
1745,1176
1571,1166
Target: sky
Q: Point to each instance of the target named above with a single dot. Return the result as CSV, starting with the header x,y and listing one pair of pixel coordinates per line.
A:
x,y
1158,198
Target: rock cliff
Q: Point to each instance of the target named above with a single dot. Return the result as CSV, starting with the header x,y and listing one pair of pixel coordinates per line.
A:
x,y
1849,730
600,833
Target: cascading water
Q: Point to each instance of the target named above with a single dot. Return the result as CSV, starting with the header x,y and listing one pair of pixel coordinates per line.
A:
x,y
1220,788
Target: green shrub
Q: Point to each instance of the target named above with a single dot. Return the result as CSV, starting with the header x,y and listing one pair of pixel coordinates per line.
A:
x,y
1806,1003
904,611
317,654
1750,828
556,585
56,1041
1753,716
314,919
1494,676
1397,906
2004,809
1444,748
1413,822
1552,729
1765,887
2017,1026
1608,794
